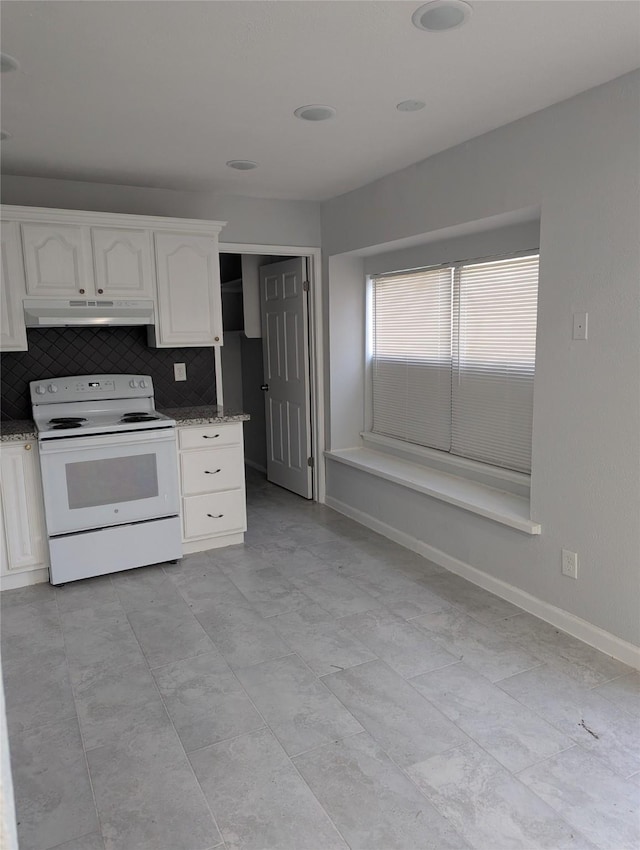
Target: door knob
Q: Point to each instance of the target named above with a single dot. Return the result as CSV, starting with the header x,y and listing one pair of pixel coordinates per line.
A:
x,y
265,388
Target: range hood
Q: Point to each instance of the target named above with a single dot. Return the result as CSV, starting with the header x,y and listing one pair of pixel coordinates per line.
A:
x,y
60,313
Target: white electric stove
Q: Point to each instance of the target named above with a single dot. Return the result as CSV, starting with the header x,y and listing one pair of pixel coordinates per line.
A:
x,y
109,475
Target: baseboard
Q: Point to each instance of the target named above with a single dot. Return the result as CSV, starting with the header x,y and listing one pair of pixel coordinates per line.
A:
x,y
255,466
189,547
12,581
600,639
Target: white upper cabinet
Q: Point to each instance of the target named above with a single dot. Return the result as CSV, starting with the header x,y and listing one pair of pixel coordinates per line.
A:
x,y
57,259
13,334
188,278
122,262
77,254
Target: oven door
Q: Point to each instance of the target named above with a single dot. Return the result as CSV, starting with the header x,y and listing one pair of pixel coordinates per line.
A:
x,y
100,481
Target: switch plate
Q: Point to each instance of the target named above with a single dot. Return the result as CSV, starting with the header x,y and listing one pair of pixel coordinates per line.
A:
x,y
569,564
580,321
180,371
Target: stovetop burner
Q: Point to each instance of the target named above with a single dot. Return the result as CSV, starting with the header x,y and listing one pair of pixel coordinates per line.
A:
x,y
139,417
66,420
61,426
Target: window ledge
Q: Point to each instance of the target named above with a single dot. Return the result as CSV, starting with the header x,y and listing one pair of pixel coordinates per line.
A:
x,y
497,505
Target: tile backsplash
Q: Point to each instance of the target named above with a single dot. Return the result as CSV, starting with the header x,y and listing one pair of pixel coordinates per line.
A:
x,y
57,352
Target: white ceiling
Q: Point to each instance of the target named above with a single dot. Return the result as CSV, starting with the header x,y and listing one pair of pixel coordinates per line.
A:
x,y
164,93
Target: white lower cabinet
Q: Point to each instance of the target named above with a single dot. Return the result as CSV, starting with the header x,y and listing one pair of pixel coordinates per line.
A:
x,y
24,553
212,485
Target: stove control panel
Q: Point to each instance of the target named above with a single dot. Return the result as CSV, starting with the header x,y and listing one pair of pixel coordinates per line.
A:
x,y
91,388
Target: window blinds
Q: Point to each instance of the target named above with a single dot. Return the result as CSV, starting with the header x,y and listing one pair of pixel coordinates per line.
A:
x,y
494,353
412,357
453,358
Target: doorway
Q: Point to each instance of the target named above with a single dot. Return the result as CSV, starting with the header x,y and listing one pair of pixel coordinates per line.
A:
x,y
242,360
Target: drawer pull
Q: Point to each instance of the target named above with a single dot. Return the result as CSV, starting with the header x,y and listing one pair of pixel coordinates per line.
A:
x,y
208,437
216,516
209,472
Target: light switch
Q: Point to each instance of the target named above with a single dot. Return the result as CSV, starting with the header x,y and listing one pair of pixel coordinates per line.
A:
x,y
180,371
580,325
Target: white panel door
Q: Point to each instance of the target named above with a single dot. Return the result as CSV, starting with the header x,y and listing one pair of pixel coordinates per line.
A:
x,y
22,507
57,259
285,346
13,333
122,262
189,303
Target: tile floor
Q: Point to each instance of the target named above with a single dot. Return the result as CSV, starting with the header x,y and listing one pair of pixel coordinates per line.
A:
x,y
317,688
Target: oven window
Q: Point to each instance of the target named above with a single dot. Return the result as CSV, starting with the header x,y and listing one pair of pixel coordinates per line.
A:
x,y
111,480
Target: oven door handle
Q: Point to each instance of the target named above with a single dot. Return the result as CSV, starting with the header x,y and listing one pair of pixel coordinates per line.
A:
x,y
98,441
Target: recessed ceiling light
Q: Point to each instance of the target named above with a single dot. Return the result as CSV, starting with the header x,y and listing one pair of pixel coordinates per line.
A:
x,y
441,15
242,164
8,63
315,112
4,135
410,105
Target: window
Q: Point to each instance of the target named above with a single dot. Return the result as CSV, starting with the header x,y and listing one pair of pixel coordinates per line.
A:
x,y
453,358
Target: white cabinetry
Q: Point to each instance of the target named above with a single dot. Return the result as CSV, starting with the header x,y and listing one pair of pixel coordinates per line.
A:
x,y
68,260
189,304
25,538
122,262
71,254
212,485
13,334
57,259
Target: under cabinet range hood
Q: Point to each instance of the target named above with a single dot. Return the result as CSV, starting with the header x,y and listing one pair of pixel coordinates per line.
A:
x,y
62,313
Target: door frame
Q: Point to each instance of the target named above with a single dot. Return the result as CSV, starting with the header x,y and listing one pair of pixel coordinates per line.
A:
x,y
316,346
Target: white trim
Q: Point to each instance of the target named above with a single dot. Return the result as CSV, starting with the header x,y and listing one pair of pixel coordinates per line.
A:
x,y
189,547
217,361
253,465
316,343
578,628
478,498
11,581
49,215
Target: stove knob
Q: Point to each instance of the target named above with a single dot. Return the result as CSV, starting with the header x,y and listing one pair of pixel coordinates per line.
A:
x,y
133,384
52,388
143,384
40,390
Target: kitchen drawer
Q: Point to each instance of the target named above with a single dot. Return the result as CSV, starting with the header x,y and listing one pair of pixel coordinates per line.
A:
x,y
210,436
211,470
214,513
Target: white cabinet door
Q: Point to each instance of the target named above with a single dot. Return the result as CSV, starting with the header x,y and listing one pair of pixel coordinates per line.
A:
x,y
22,507
122,262
57,259
13,333
188,277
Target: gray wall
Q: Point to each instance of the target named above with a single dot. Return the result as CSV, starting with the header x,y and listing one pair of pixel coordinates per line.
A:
x,y
250,220
578,162
255,430
231,353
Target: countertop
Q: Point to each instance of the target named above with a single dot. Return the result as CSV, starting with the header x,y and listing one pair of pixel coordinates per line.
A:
x,y
210,414
20,430
17,430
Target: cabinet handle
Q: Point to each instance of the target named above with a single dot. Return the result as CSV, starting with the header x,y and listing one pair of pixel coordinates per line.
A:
x,y
81,291
27,448
216,339
100,291
208,472
215,516
210,437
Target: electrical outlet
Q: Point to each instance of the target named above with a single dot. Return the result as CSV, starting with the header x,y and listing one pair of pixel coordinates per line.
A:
x,y
180,371
580,325
569,564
